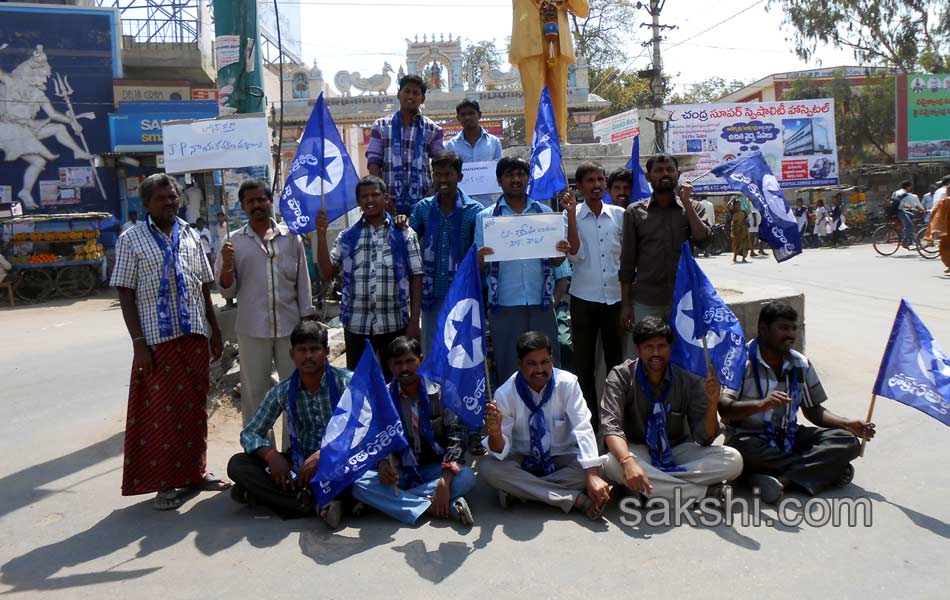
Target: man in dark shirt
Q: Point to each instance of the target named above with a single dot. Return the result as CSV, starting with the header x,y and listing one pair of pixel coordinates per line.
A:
x,y
653,233
659,421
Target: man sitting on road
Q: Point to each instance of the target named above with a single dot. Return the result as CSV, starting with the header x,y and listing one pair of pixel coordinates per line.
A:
x,y
540,441
762,417
659,422
261,474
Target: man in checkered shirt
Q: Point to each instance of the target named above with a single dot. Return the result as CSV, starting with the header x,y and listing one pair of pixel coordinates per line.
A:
x,y
162,277
378,306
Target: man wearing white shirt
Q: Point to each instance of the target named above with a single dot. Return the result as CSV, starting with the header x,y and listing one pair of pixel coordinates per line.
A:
x,y
473,143
709,218
540,442
594,230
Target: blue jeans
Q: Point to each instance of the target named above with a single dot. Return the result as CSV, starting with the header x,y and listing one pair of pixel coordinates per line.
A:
x,y
409,505
908,224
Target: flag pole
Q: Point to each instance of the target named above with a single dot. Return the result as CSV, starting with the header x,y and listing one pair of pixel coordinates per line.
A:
x,y
706,352
864,439
700,176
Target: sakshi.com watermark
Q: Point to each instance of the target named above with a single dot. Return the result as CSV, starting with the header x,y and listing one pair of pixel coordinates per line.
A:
x,y
730,510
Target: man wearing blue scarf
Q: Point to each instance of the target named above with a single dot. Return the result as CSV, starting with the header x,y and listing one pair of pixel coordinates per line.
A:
x,y
431,475
402,144
659,422
541,445
762,417
279,480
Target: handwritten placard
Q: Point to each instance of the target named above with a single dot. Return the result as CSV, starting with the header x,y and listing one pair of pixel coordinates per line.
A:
x,y
479,178
516,237
222,143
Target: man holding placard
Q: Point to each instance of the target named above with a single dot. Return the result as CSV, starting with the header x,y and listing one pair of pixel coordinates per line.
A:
x,y
473,143
522,270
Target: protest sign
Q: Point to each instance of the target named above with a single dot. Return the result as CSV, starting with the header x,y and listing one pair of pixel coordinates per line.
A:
x,y
222,143
515,237
479,178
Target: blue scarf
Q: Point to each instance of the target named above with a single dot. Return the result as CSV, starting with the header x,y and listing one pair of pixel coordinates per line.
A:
x,y
539,462
296,450
406,194
790,418
430,246
409,458
171,260
657,438
547,291
349,242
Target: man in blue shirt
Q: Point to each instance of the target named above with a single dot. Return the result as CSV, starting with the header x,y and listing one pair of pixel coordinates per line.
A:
x,y
520,292
473,143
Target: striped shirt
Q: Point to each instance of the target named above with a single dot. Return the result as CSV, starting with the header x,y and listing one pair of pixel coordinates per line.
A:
x,y
378,151
138,266
419,220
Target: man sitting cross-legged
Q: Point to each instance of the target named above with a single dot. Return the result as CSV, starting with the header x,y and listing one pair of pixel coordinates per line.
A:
x,y
261,474
659,420
540,440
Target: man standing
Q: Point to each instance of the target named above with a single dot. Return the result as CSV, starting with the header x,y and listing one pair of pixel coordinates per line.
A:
x,y
445,224
264,265
280,480
162,278
401,146
653,234
927,201
221,234
659,422
382,275
838,221
620,186
431,475
473,143
594,230
520,292
132,222
709,218
206,243
762,417
540,442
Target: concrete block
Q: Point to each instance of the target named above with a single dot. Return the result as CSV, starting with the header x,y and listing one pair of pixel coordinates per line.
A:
x,y
746,303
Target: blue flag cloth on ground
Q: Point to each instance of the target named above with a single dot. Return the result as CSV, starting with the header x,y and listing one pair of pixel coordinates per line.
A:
x,y
364,429
641,189
752,176
546,177
914,370
699,312
322,166
457,358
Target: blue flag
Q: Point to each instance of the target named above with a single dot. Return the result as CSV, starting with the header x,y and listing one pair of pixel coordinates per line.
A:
x,y
752,176
456,360
322,166
914,370
364,429
546,178
641,189
699,312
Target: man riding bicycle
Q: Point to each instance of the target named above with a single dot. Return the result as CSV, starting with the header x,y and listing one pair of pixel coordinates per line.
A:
x,y
908,203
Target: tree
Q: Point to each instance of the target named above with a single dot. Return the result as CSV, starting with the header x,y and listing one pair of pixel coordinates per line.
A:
x,y
864,117
624,90
707,91
599,37
907,34
474,56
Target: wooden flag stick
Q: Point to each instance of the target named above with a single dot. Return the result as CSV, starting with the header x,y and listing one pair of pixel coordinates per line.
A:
x,y
700,176
706,352
224,203
864,440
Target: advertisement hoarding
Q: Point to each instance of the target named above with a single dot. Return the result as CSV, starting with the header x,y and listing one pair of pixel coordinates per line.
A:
x,y
923,116
137,127
615,128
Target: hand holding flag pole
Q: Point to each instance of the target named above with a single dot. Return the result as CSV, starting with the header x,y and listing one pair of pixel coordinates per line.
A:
x,y
864,438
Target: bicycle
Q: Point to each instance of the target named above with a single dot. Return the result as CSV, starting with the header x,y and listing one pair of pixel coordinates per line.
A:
x,y
927,249
887,238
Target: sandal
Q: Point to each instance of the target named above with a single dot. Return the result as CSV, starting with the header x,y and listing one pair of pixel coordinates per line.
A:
x,y
211,483
167,500
587,506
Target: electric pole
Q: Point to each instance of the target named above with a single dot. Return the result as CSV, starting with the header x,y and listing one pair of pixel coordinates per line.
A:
x,y
240,78
656,84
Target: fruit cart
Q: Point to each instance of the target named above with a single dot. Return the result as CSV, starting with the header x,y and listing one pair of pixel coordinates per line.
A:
x,y
56,255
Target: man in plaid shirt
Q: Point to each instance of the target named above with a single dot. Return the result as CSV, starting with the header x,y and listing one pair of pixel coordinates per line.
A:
x,y
382,275
402,144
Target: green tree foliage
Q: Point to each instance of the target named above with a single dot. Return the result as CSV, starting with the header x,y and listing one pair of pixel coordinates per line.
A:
x,y
600,36
907,34
476,54
709,90
864,117
624,90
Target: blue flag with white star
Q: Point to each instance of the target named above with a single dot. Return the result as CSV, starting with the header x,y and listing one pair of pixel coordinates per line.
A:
x,y
699,313
641,189
914,370
546,177
321,167
456,360
364,429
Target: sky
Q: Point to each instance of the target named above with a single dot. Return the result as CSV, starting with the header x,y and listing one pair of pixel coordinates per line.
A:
x,y
360,35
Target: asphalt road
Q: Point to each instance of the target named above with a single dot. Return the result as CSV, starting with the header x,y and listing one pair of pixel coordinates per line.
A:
x,y
66,532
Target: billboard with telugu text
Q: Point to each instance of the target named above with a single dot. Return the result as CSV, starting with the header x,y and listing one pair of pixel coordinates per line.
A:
x,y
923,113
796,137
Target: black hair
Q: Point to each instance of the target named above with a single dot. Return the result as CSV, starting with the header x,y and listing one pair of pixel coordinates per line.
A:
x,y
586,168
621,174
403,345
157,180
468,103
773,311
413,79
530,341
906,184
511,163
651,327
369,180
448,159
661,158
310,331
133,212
254,184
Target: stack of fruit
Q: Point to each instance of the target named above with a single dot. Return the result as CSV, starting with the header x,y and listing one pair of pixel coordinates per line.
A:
x,y
89,251
43,259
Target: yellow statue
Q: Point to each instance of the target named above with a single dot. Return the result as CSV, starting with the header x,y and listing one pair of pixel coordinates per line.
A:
x,y
542,48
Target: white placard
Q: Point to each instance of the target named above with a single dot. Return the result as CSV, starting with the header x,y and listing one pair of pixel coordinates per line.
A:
x,y
516,237
222,143
227,50
479,178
